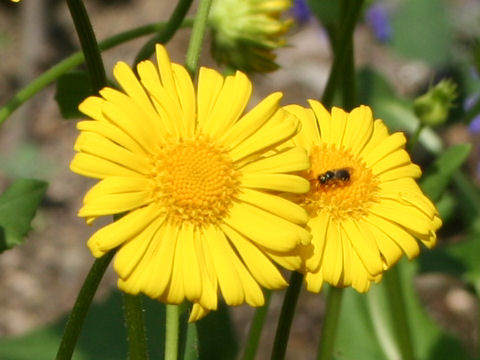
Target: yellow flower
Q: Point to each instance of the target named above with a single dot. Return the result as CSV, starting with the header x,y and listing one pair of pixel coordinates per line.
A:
x,y
364,205
198,181
245,32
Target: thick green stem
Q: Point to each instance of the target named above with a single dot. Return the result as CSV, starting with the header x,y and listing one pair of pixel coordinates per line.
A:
x,y
342,46
196,39
135,322
256,328
71,62
399,312
172,332
80,309
286,316
330,323
88,43
164,35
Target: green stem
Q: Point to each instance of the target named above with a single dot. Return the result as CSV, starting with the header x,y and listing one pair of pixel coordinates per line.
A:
x,y
172,332
256,328
71,62
330,323
415,136
399,312
135,322
342,47
196,39
164,35
80,309
88,43
286,316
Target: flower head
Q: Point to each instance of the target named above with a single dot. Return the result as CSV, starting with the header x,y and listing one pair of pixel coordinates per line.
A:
x,y
364,204
198,182
433,107
246,32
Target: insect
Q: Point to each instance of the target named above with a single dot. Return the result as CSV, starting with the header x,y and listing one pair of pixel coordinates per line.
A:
x,y
334,176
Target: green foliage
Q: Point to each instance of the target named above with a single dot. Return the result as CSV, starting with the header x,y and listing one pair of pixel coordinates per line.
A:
x,y
421,31
326,11
72,88
18,205
438,177
366,330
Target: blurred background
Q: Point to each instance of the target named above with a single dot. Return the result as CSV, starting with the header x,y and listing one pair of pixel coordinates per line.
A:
x,y
400,50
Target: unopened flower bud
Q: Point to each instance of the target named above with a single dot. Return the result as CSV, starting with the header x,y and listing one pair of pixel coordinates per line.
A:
x,y
433,107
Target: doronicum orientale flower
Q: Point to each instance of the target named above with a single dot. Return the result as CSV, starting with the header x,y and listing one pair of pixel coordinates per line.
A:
x,y
198,181
365,206
246,32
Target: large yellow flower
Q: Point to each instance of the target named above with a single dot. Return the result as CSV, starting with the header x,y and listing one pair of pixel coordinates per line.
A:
x,y
364,205
199,184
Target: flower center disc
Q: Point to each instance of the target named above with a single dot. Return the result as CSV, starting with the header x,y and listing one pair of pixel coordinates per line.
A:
x,y
195,181
341,184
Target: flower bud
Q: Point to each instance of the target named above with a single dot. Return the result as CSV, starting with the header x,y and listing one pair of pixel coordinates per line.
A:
x,y
432,108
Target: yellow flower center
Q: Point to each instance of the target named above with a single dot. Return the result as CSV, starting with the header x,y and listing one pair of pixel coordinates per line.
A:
x,y
195,181
341,184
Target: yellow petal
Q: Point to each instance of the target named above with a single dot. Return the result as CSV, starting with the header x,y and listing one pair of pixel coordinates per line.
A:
x,y
192,281
359,129
99,168
309,135
275,204
124,229
115,203
324,120
287,160
210,83
117,185
276,182
385,147
256,261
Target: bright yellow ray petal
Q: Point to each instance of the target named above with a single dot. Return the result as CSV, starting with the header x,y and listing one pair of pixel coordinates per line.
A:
x,y
394,160
98,168
324,120
111,132
287,160
399,235
117,185
115,203
192,281
318,227
94,144
281,127
165,69
229,106
256,261
409,170
253,292
359,129
309,135
332,259
275,204
257,225
338,124
198,312
210,82
208,298
252,121
380,132
222,256
389,250
360,278
314,281
124,229
291,260
276,182
364,245
131,252
175,291
184,85
385,147
406,216
348,268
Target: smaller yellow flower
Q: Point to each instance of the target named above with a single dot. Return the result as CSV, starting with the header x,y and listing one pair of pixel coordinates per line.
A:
x,y
365,207
245,32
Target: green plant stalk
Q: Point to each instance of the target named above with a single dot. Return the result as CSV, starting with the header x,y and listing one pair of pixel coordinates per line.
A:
x,y
399,313
167,32
198,34
135,322
191,343
88,43
341,49
172,332
415,136
73,61
330,323
256,328
286,316
82,304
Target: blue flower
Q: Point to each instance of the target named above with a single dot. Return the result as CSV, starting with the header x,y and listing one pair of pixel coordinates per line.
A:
x,y
377,17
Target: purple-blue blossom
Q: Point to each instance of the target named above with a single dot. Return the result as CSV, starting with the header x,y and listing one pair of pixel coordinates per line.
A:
x,y
377,17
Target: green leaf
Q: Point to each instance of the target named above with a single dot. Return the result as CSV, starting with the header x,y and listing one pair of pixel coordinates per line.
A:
x,y
72,88
466,253
365,330
18,205
326,11
421,30
438,177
